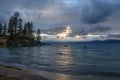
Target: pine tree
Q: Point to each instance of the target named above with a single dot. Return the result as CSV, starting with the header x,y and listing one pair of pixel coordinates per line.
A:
x,y
4,29
25,30
28,29
14,24
20,27
10,26
0,29
38,35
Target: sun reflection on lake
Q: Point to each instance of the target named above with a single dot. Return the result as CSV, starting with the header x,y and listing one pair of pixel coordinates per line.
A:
x,y
65,57
64,62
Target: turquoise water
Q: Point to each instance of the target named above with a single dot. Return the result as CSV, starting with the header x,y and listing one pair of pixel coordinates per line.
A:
x,y
67,58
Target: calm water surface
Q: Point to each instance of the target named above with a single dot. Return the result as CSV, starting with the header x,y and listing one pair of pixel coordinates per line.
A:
x,y
74,59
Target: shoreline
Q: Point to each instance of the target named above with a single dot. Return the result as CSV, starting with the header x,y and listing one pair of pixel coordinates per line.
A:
x,y
13,72
8,72
16,41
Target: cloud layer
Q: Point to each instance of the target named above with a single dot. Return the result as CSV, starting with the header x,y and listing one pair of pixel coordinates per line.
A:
x,y
84,16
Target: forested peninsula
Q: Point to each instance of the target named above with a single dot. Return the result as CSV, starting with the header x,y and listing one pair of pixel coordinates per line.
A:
x,y
17,34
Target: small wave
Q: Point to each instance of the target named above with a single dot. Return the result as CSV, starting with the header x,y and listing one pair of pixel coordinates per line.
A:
x,y
62,54
107,74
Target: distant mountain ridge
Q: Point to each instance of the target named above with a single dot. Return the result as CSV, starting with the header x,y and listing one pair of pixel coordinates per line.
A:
x,y
94,41
105,41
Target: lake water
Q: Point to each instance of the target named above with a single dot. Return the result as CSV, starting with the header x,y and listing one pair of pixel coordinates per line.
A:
x,y
67,58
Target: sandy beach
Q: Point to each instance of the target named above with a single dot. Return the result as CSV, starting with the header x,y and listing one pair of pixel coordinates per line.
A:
x,y
16,73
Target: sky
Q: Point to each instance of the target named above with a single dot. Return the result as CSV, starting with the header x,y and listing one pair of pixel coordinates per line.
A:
x,y
96,17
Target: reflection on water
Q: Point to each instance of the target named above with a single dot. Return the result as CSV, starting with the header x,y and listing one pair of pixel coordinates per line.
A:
x,y
65,57
64,62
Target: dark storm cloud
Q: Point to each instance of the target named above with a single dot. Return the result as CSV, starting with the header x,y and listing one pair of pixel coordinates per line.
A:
x,y
113,36
53,30
23,3
99,11
98,29
92,30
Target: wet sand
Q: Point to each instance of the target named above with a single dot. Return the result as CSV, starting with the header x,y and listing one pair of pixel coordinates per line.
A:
x,y
16,73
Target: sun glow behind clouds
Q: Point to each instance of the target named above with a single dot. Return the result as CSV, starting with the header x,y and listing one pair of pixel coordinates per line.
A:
x,y
65,33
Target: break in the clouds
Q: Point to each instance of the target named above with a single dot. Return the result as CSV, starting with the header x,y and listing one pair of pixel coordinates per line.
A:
x,y
84,16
